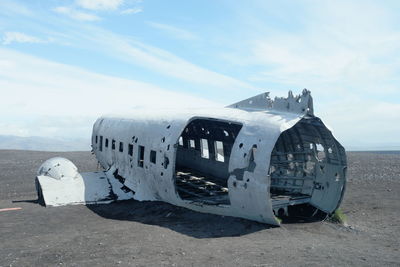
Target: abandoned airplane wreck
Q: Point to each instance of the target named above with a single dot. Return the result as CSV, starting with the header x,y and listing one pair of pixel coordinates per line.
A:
x,y
256,159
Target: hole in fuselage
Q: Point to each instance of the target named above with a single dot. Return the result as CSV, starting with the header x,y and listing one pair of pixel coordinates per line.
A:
x,y
202,160
298,168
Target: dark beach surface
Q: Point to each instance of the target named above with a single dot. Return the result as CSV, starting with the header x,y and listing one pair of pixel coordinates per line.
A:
x,y
156,233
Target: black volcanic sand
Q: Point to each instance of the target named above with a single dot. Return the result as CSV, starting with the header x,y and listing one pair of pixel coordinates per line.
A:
x,y
155,233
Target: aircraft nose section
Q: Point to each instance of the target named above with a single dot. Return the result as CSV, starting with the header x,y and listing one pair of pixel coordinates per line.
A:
x,y
58,168
59,183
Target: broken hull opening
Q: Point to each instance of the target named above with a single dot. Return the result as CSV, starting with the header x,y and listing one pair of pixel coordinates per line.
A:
x,y
307,171
202,160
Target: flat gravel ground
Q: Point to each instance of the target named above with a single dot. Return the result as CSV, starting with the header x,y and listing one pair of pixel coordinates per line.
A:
x,y
159,234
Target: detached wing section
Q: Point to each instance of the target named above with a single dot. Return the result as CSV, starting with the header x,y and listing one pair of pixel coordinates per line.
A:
x,y
58,183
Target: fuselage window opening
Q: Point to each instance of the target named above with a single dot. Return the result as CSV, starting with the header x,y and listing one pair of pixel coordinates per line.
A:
x,y
96,139
180,141
204,148
141,156
101,143
130,150
121,147
113,144
219,151
202,162
106,145
153,156
192,144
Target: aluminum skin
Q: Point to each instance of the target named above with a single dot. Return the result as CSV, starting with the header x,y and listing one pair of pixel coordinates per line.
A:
x,y
258,158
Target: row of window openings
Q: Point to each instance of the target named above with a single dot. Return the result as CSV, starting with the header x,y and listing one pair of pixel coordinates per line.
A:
x,y
153,154
204,148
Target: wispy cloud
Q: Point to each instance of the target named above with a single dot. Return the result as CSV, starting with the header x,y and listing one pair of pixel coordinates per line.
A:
x,y
10,8
78,10
76,14
19,37
151,58
349,59
44,98
332,47
100,4
132,11
159,60
174,32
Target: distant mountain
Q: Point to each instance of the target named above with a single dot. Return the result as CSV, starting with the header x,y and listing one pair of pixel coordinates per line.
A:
x,y
374,147
44,143
83,144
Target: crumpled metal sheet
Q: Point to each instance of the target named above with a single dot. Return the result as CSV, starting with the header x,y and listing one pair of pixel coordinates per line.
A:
x,y
263,120
64,185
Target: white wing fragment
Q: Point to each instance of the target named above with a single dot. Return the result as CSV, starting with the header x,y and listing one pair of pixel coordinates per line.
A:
x,y
60,183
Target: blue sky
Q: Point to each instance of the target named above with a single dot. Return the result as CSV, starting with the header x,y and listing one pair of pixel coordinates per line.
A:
x,y
63,63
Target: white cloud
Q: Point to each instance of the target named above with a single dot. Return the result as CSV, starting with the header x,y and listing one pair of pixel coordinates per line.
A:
x,y
359,121
131,11
175,32
124,48
158,60
76,14
336,45
10,7
348,58
75,11
18,37
100,4
41,97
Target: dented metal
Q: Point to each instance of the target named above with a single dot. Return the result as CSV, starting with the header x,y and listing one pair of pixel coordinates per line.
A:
x,y
59,183
255,159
